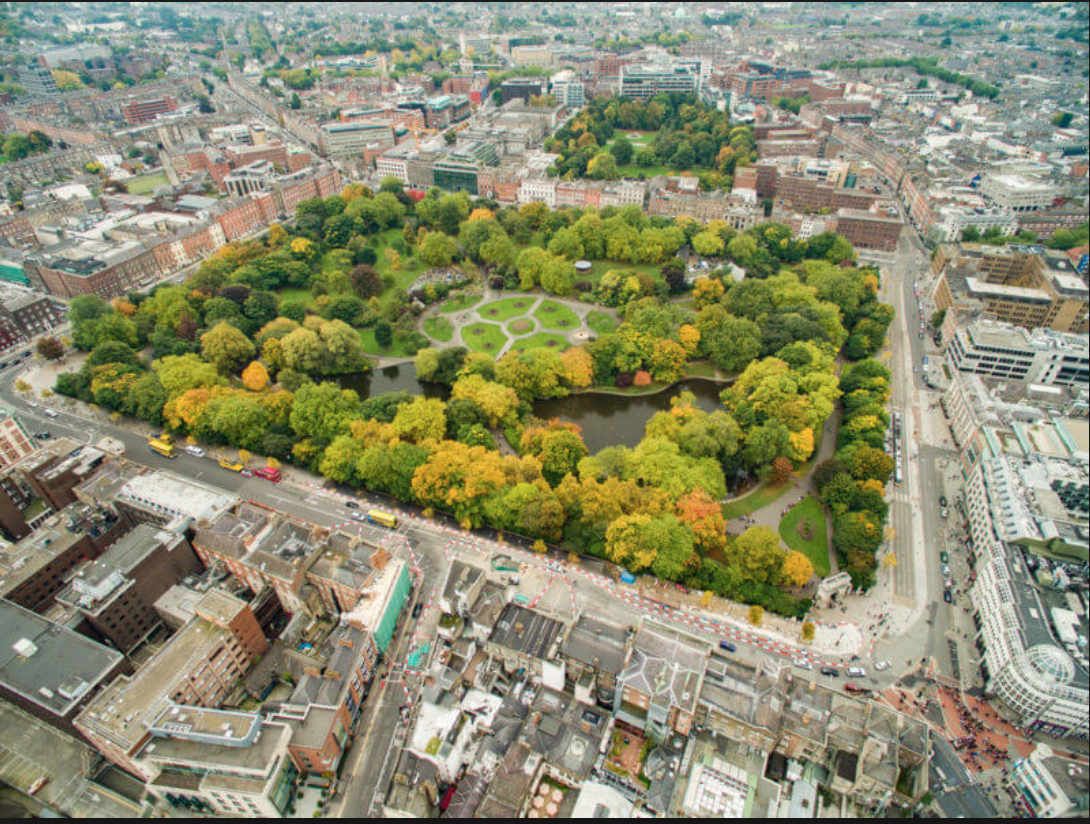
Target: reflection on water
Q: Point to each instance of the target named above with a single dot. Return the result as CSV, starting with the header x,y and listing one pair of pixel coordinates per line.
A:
x,y
607,420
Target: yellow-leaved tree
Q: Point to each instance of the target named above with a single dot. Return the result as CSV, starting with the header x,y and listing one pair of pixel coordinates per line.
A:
x,y
255,377
797,569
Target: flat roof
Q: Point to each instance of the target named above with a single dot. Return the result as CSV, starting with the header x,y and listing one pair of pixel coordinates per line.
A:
x,y
524,631
57,668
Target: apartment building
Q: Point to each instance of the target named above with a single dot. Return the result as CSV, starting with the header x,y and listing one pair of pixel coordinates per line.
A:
x,y
15,442
218,762
567,88
868,230
199,666
1017,193
145,111
25,314
116,593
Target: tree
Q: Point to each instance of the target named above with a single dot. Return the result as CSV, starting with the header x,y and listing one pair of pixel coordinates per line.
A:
x,y
756,614
50,348
797,569
438,249
707,291
705,517
622,151
708,243
757,555
421,419
255,377
226,347
322,411
809,629
780,472
179,373
495,400
384,334
603,166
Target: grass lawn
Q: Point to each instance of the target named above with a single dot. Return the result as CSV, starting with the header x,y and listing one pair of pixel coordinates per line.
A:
x,y
371,347
303,296
540,341
484,337
601,323
763,495
144,185
505,309
702,369
809,513
459,303
553,315
440,329
600,267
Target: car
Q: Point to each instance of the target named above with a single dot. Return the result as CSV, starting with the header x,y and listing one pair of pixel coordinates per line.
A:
x,y
195,451
945,569
857,672
359,516
942,500
417,610
32,405
52,413
854,689
352,504
945,512
246,473
944,557
921,334
41,436
832,672
947,597
728,646
882,665
948,584
802,663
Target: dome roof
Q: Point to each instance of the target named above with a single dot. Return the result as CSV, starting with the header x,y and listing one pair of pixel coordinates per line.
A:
x,y
1052,662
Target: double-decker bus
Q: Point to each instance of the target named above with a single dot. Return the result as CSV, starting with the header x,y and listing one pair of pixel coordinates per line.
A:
x,y
377,516
269,473
167,450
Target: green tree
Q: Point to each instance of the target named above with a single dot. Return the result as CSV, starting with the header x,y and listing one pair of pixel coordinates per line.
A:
x,y
227,348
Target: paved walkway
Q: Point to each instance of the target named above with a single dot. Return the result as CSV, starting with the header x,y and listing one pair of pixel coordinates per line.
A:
x,y
477,314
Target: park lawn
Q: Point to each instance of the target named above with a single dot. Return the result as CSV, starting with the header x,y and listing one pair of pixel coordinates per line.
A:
x,y
297,293
505,309
600,267
556,316
371,347
146,184
542,340
459,303
701,369
762,496
817,548
439,329
601,323
520,326
484,337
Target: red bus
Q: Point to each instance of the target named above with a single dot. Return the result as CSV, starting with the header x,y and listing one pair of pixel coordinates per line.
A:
x,y
270,473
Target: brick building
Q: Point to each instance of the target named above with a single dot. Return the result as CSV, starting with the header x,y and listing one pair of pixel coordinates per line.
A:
x,y
868,230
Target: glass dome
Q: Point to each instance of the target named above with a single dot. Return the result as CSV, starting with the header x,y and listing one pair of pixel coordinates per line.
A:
x,y
1052,662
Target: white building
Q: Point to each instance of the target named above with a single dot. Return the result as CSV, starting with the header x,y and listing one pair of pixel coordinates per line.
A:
x,y
538,190
1049,785
1002,350
951,221
567,88
1017,193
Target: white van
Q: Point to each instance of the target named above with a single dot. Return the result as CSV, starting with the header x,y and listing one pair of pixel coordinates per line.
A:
x,y
195,451
857,672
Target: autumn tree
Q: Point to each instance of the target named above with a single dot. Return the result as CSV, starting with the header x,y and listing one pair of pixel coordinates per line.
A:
x,y
705,517
421,419
756,615
226,348
255,377
797,569
50,348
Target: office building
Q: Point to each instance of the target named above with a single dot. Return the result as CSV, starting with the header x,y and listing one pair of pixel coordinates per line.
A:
x,y
567,88
349,140
1012,353
642,82
521,88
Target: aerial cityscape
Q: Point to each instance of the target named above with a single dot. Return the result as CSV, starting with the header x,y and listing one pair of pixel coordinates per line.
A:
x,y
589,410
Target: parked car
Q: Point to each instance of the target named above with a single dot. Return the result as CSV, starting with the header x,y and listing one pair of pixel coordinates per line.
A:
x,y
945,569
947,597
352,504
802,663
857,672
944,557
417,610
942,500
728,646
832,672
246,473
854,689
41,436
944,512
195,451
882,665
52,413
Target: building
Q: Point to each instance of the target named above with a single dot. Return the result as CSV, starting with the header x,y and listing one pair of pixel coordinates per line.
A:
x,y
219,762
116,593
1050,786
1012,353
658,689
199,666
47,669
523,639
350,140
25,314
145,111
15,442
38,81
521,88
642,82
458,170
1016,193
567,88
949,222
868,230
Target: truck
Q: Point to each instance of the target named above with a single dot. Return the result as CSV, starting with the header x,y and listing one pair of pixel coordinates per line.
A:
x,y
234,466
269,473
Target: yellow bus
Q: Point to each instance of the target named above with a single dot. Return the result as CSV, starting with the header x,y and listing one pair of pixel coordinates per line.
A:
x,y
381,518
167,450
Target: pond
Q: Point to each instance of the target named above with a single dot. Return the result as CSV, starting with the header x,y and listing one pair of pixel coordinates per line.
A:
x,y
607,420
